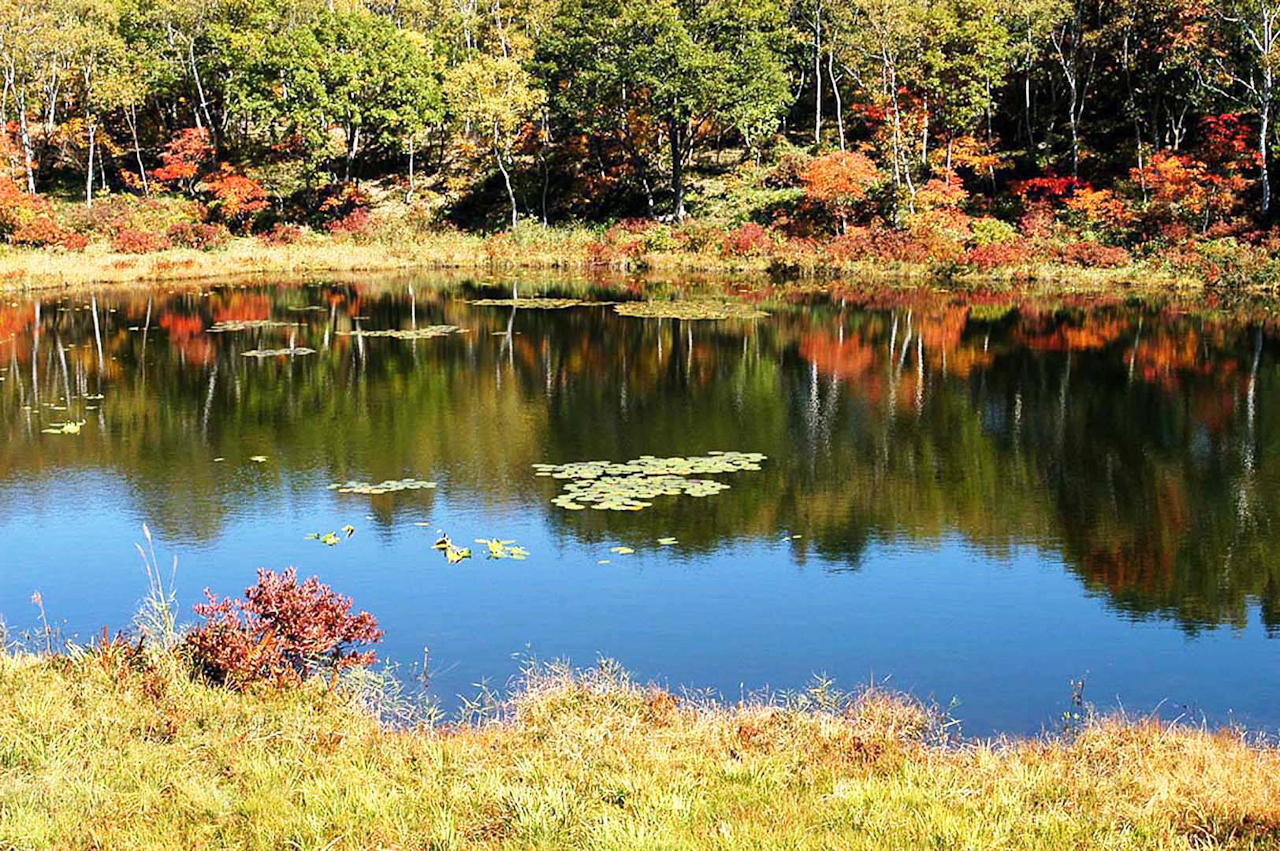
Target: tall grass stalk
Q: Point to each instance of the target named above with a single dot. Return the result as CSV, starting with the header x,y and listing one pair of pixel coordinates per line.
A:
x,y
157,616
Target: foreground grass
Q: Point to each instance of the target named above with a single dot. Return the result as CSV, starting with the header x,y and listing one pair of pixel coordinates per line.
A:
x,y
535,248
97,753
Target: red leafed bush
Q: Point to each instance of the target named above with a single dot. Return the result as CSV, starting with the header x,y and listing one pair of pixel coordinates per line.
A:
x,y
749,240
858,244
838,182
198,235
1094,255
131,241
73,241
355,223
282,234
280,632
997,254
39,231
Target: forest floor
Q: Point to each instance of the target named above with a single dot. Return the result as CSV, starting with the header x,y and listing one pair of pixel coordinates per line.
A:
x,y
104,749
544,249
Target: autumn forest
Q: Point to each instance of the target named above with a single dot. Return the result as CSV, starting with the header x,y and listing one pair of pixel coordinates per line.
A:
x,y
956,136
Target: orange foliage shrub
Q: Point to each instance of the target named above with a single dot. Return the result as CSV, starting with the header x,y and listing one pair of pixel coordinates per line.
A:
x,y
280,632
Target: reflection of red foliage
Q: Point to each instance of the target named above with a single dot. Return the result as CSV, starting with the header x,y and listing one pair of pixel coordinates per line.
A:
x,y
845,358
186,334
243,307
1095,332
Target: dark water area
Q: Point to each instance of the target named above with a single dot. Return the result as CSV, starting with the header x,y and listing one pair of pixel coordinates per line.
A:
x,y
974,498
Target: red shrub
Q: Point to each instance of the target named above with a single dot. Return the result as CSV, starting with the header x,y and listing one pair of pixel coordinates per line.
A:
x,y
236,198
356,223
1093,255
838,182
749,240
997,254
857,244
39,231
282,631
198,235
131,241
73,241
282,234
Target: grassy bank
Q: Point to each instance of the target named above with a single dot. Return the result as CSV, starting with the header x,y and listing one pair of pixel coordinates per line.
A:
x,y
578,250
104,751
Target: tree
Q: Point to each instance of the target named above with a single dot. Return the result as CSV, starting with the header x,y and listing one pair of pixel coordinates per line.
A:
x,y
671,68
1244,67
498,97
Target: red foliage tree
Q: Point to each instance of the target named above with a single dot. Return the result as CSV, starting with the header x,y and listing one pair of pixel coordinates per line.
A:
x,y
236,198
838,182
186,155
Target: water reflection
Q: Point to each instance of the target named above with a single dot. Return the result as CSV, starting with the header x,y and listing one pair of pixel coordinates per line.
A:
x,y
1133,440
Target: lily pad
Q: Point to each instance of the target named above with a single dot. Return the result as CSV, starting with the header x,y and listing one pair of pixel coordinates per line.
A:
x,y
537,303
410,334
249,325
710,310
271,353
377,488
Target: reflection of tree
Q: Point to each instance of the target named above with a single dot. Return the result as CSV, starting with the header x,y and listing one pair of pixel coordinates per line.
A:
x,y
1134,441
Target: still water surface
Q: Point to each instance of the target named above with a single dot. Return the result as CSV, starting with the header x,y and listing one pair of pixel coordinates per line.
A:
x,y
971,498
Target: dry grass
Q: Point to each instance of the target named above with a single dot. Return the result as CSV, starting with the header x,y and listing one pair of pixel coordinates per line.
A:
x,y
532,248
98,752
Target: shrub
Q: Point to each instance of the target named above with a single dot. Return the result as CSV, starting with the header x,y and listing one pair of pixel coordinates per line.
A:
x,y
281,632
997,254
858,244
283,234
355,223
197,235
39,231
184,157
72,241
236,198
1093,255
749,240
989,231
131,241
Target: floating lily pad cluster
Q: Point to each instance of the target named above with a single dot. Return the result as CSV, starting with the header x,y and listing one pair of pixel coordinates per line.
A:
x,y
628,486
271,353
389,486
452,553
537,303
411,334
63,428
331,539
249,325
689,310
504,549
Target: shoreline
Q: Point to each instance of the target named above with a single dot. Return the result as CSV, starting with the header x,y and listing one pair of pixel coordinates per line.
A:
x,y
24,270
109,747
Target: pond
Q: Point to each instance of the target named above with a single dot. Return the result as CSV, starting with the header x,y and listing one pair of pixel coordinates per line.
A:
x,y
974,497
